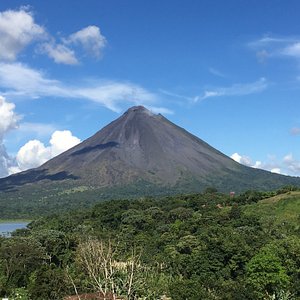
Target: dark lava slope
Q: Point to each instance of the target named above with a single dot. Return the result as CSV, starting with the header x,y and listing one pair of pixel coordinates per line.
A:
x,y
142,147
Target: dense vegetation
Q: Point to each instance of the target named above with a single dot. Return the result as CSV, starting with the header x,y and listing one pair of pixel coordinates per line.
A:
x,y
20,199
199,246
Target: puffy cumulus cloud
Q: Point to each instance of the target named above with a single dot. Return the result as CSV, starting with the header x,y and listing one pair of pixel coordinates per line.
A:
x,y
90,38
17,30
62,141
8,120
276,170
271,165
34,153
61,54
8,117
288,165
258,165
242,159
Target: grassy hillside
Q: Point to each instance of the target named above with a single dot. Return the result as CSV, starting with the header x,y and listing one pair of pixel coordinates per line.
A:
x,y
280,209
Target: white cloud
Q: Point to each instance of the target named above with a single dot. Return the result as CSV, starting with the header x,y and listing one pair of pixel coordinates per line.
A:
x,y
17,30
8,121
208,94
288,165
110,94
90,38
276,170
292,164
34,153
258,165
160,110
287,47
61,141
216,72
17,79
270,165
268,40
8,117
12,170
276,47
61,54
242,159
235,90
292,50
273,46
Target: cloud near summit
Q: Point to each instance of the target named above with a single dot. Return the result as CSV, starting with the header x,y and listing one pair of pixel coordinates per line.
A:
x,y
19,80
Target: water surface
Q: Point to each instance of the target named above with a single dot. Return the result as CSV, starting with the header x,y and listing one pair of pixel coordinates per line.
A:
x,y
7,228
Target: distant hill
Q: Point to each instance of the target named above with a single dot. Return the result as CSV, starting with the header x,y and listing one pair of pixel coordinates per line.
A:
x,y
138,154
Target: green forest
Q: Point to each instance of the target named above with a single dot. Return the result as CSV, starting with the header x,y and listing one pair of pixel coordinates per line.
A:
x,y
207,245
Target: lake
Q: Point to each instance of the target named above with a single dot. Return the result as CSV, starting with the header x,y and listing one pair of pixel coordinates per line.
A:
x,y
7,228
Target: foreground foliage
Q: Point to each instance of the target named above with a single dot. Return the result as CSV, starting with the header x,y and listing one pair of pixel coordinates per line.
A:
x,y
200,246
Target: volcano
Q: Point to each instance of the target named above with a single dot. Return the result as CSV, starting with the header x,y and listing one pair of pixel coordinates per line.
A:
x,y
139,151
140,146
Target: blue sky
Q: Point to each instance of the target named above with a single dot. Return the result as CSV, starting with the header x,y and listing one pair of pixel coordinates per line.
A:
x,y
227,71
